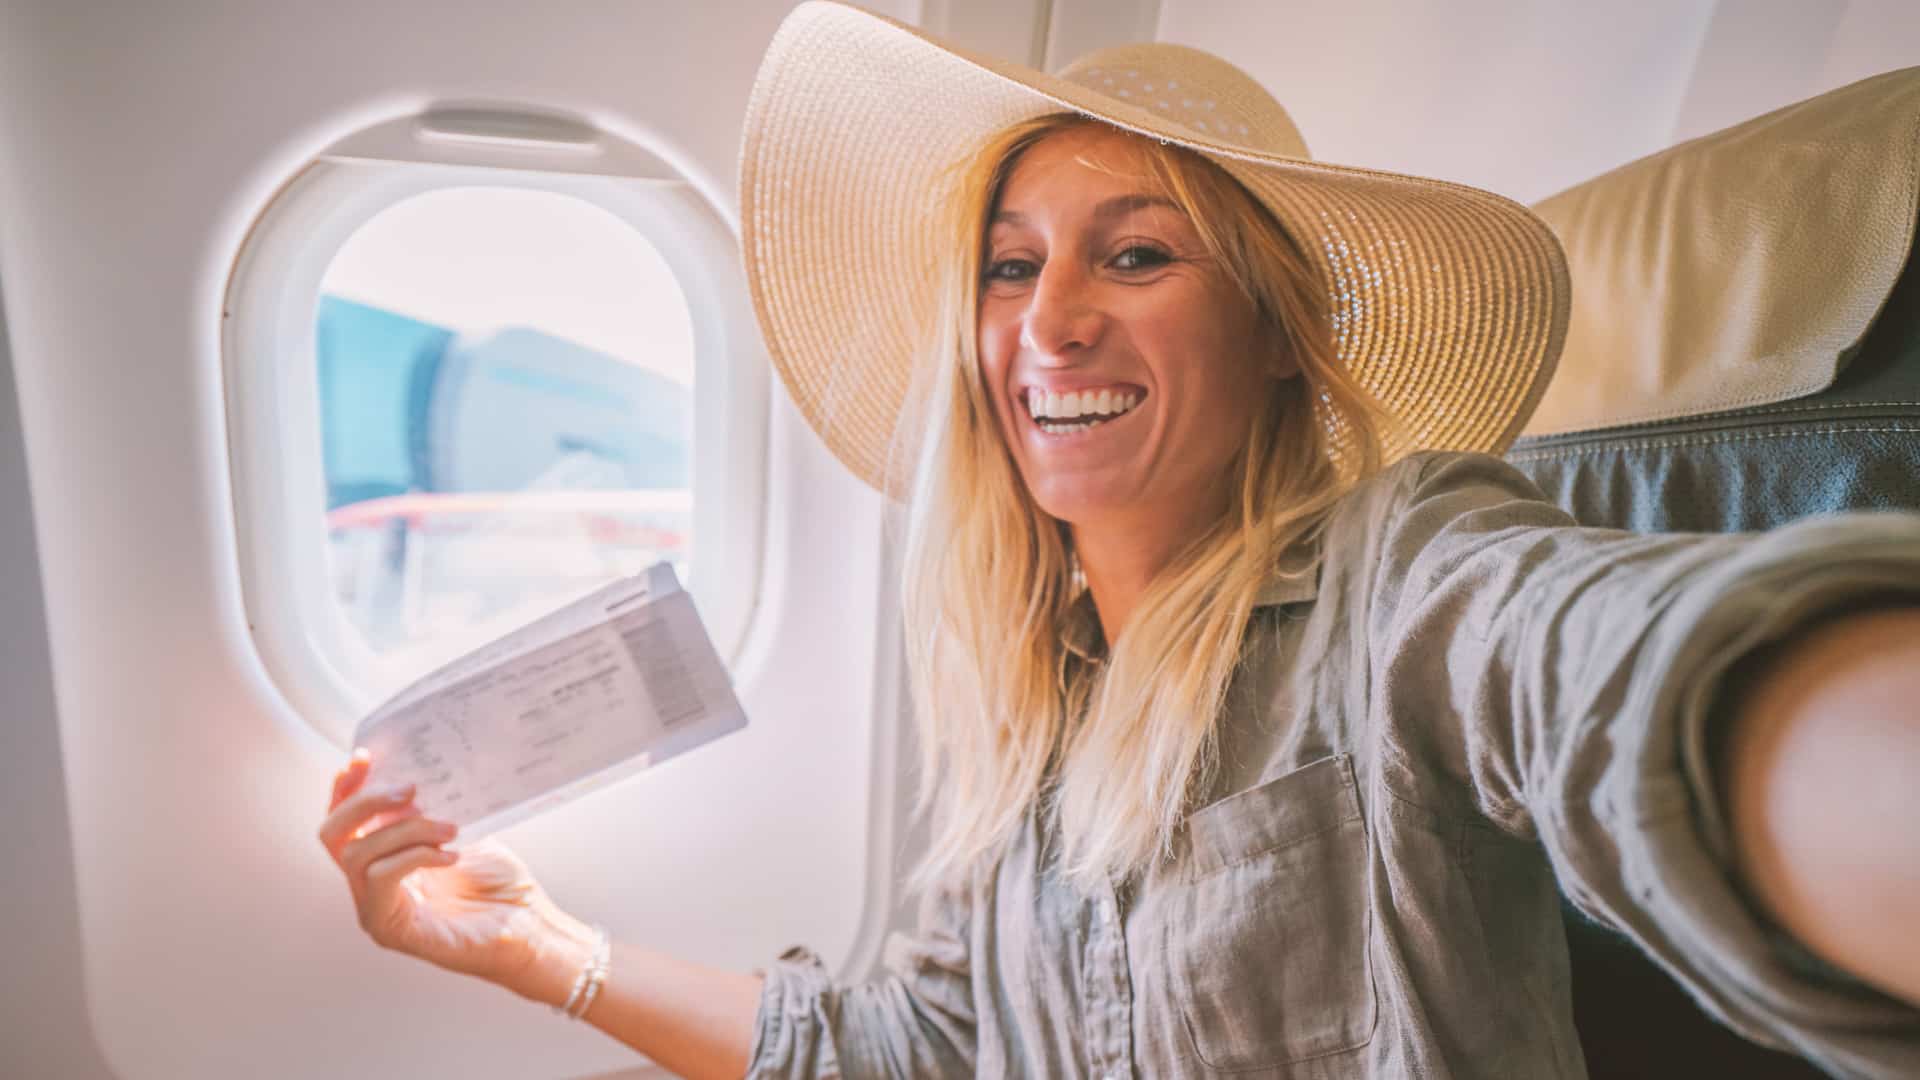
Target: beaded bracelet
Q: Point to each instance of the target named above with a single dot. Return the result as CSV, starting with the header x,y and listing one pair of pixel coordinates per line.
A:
x,y
592,973
603,958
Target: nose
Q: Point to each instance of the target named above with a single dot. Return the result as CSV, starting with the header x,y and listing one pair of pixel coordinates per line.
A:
x,y
1063,316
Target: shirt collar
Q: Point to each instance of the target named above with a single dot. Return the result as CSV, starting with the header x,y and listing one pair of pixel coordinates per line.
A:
x,y
1294,580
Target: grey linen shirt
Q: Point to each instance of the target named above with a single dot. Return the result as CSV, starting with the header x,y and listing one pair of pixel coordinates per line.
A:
x,y
1462,706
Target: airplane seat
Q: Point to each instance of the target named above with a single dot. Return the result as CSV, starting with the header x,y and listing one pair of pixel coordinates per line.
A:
x,y
1853,446
1772,256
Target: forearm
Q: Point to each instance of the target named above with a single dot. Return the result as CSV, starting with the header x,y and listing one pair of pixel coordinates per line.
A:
x,y
1819,772
696,1021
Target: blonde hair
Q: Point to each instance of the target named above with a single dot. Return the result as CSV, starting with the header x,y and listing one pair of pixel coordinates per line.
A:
x,y
1117,754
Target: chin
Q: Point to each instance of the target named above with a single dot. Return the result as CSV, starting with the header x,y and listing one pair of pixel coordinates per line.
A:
x,y
1077,501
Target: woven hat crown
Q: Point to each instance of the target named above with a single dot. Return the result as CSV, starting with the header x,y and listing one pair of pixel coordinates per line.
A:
x,y
1197,90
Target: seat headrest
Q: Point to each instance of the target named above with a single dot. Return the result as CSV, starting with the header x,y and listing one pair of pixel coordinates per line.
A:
x,y
1739,268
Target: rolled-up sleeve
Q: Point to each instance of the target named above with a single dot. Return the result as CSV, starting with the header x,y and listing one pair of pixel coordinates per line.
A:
x,y
915,1020
1562,678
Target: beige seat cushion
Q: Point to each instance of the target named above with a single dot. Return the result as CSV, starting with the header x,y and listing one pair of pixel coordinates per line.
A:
x,y
1739,268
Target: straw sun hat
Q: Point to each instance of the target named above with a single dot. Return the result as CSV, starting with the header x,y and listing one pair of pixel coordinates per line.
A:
x,y
1449,303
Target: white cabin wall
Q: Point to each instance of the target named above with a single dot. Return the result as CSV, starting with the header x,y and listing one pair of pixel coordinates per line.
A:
x,y
43,1006
1527,98
1759,55
1518,97
1755,56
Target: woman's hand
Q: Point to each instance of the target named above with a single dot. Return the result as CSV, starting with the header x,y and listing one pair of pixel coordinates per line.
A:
x,y
480,912
477,911
1816,763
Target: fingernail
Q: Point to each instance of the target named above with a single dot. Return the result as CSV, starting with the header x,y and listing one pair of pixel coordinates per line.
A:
x,y
361,753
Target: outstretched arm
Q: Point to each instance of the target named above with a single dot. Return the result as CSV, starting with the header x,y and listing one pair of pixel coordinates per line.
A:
x,y
1818,760
1566,680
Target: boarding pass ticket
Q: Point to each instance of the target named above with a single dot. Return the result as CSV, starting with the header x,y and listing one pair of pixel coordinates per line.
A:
x,y
619,680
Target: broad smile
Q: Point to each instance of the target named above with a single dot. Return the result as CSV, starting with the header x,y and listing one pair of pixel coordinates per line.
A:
x,y
1068,414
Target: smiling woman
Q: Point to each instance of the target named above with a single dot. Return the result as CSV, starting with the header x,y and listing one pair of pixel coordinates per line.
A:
x,y
1264,719
1119,267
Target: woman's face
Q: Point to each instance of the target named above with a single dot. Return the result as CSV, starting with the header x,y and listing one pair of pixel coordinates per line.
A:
x,y
1124,368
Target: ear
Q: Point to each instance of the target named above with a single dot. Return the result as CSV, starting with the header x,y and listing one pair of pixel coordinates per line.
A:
x,y
1283,366
1280,362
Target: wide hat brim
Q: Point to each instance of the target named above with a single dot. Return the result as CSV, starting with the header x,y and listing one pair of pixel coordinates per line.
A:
x,y
1449,302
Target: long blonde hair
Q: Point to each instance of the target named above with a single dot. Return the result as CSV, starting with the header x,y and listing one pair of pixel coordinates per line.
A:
x,y
1117,754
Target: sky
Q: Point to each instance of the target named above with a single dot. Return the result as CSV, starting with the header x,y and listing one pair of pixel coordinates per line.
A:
x,y
476,259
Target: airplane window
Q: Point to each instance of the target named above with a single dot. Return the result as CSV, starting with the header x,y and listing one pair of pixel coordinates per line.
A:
x,y
505,382
461,389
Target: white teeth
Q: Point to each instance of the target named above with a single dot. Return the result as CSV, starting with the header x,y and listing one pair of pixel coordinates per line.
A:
x,y
1052,410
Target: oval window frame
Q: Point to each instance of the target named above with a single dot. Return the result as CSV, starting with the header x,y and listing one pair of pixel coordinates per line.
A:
x,y
314,656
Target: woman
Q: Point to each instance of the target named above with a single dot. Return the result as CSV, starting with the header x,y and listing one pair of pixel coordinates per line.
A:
x,y
1262,723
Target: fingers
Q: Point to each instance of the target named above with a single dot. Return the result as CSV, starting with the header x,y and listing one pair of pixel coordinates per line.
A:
x,y
378,837
357,810
377,900
384,875
349,779
359,855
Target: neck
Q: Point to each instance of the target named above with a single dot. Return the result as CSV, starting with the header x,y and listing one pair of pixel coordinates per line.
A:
x,y
1121,558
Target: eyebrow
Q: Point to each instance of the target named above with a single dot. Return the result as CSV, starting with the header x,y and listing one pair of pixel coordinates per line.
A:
x,y
1117,206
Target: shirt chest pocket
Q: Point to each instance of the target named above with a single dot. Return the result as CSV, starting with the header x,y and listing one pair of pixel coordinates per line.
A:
x,y
1269,937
